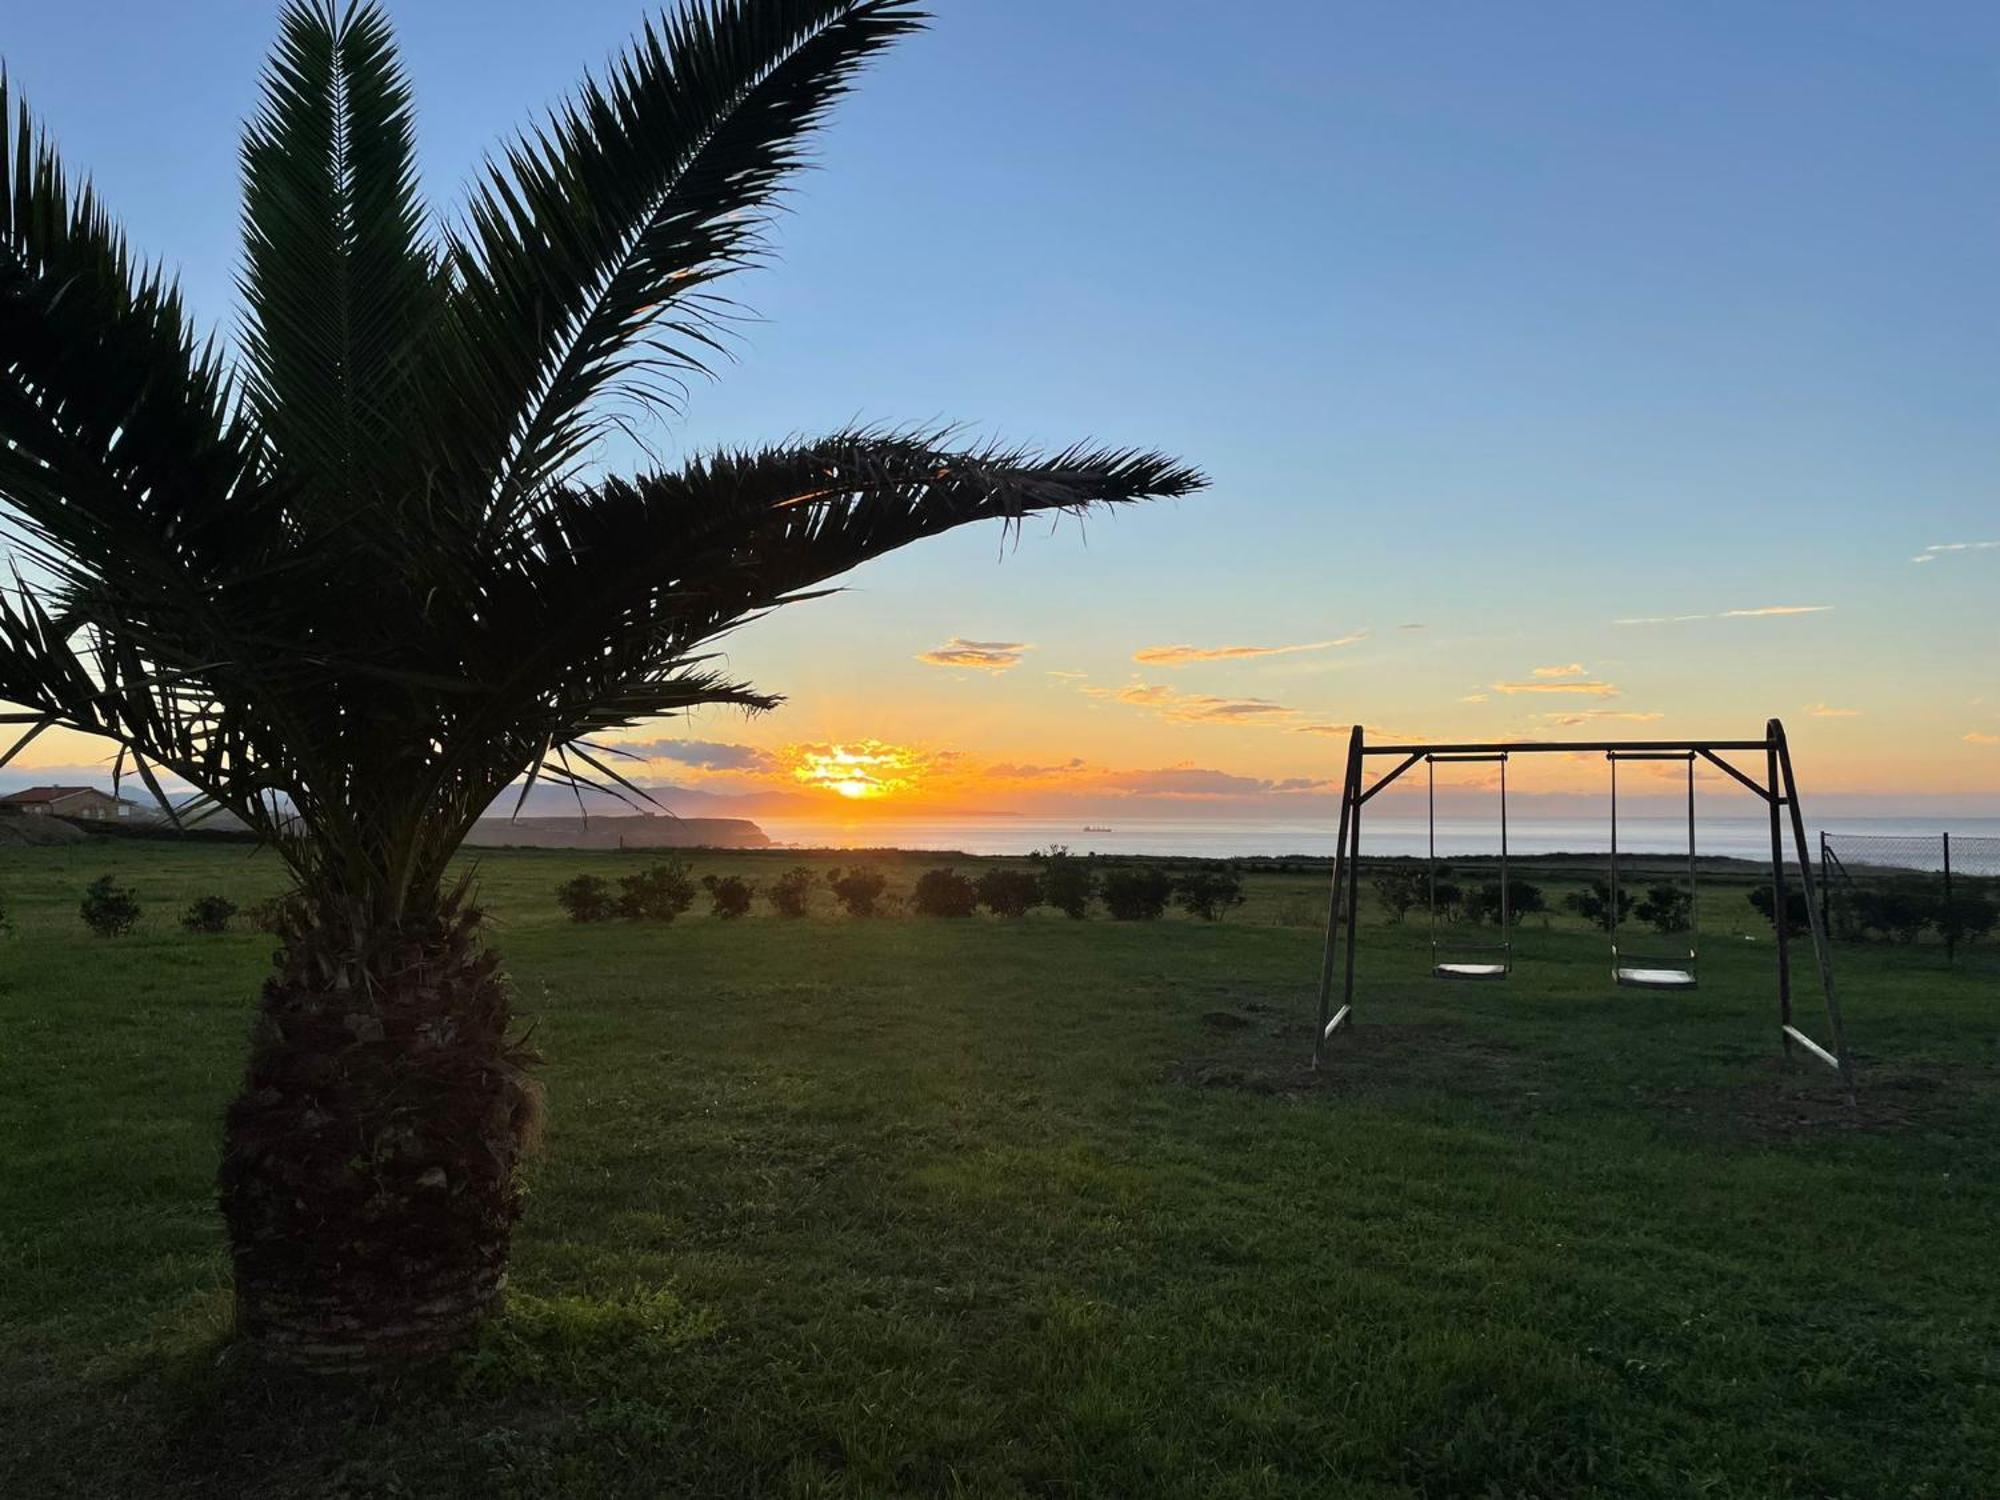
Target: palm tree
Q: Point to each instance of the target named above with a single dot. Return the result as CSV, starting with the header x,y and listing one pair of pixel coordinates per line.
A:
x,y
353,583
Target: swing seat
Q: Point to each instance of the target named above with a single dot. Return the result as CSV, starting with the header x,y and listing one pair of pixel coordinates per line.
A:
x,y
1468,971
1649,977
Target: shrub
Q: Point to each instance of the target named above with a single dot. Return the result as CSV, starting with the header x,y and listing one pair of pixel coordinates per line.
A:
x,y
729,895
587,898
1401,889
790,894
1067,882
108,908
858,890
1136,895
1482,903
944,893
1966,917
208,914
1208,893
1795,907
1668,908
1593,904
1897,913
1009,893
658,893
1527,899
1448,896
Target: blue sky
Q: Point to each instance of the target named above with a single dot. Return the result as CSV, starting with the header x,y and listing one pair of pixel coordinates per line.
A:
x,y
1507,321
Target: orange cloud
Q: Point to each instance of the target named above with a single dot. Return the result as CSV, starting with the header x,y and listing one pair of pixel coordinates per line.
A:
x,y
1574,669
1196,708
1981,737
1588,689
1180,656
1593,715
981,656
1823,711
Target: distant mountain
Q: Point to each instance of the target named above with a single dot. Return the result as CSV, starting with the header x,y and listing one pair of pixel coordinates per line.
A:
x,y
548,801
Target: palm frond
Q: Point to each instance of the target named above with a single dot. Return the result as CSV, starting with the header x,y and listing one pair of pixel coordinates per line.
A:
x,y
588,251
123,455
340,283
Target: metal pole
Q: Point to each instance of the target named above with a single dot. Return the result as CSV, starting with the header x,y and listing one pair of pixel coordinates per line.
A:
x,y
1506,903
1694,888
1353,897
1349,790
1950,917
1611,917
1431,852
1825,885
1780,918
1822,951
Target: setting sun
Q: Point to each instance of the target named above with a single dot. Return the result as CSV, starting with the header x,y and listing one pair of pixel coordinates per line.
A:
x,y
861,772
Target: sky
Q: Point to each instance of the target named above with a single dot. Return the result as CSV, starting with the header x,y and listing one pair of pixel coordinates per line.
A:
x,y
1562,370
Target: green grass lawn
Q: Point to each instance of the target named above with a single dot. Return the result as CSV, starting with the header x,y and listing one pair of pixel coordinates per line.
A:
x,y
912,1207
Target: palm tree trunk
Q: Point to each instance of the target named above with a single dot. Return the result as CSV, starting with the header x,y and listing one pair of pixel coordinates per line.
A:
x,y
370,1166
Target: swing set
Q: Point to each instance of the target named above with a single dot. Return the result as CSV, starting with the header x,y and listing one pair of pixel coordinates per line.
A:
x,y
1460,961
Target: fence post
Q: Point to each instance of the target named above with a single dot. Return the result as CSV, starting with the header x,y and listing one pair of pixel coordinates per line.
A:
x,y
1825,887
1950,918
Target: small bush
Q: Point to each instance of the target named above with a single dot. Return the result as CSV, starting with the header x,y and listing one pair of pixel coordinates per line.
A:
x,y
944,893
728,895
1527,900
1667,907
1009,893
790,894
1400,889
587,898
1965,917
1208,893
1795,907
1136,895
658,893
1067,882
1593,904
108,908
858,890
208,914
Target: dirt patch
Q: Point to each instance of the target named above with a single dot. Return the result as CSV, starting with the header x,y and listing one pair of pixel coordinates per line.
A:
x,y
1369,1059
1790,1100
1225,1020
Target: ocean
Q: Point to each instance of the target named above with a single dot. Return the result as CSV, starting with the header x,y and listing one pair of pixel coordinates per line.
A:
x,y
1209,838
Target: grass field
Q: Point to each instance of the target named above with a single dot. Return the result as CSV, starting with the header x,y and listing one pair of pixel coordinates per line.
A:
x,y
910,1207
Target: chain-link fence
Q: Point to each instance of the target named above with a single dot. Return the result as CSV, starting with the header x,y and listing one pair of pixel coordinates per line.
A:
x,y
1934,891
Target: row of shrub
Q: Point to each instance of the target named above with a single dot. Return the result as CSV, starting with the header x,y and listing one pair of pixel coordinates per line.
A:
x,y
1064,882
112,910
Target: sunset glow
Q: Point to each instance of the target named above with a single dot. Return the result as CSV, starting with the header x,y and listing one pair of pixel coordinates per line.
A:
x,y
861,772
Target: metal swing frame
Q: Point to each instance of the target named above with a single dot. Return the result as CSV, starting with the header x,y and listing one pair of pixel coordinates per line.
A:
x,y
1627,969
1777,788
1478,969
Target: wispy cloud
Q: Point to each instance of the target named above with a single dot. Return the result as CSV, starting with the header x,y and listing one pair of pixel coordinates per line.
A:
x,y
1594,715
981,656
1415,625
1180,656
1940,549
1587,689
1475,698
1195,708
1760,612
1069,676
1828,711
1981,737
1574,669
702,755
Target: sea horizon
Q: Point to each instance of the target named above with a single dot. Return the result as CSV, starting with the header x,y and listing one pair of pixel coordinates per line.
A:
x,y
1219,838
